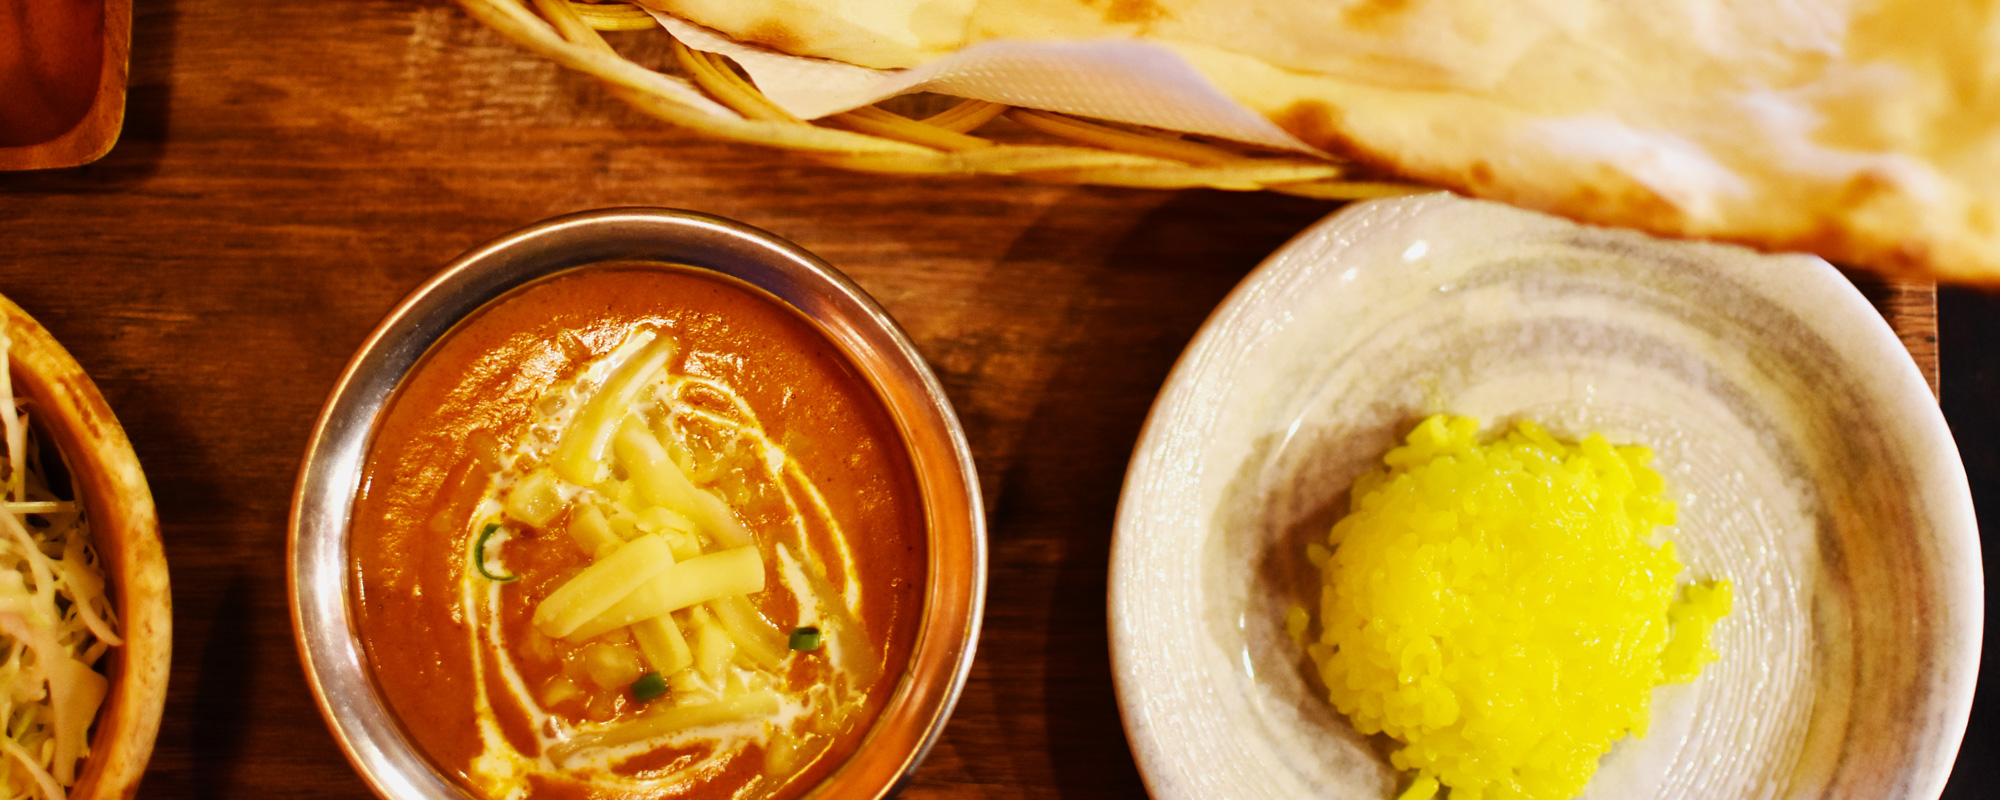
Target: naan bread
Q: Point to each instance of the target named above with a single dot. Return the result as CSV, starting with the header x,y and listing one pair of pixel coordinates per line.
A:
x,y
1867,131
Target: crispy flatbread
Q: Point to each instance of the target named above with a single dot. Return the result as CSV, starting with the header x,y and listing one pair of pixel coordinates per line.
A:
x,y
1865,131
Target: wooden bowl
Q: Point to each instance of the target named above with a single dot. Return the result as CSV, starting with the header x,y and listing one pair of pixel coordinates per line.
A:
x,y
62,80
104,472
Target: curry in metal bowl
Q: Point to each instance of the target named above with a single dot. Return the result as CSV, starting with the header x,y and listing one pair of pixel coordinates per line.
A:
x,y
637,529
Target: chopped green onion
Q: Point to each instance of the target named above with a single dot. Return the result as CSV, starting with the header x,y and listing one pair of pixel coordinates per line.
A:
x,y
479,556
805,638
648,686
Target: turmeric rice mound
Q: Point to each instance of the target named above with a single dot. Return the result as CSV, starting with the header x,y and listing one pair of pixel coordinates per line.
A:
x,y
1501,611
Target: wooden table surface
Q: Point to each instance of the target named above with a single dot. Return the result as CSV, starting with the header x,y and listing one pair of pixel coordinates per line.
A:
x,y
289,171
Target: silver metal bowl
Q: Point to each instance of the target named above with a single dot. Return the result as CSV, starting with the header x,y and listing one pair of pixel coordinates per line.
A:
x,y
319,566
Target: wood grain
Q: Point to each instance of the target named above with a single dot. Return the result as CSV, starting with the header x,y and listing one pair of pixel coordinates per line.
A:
x,y
1911,309
269,203
62,80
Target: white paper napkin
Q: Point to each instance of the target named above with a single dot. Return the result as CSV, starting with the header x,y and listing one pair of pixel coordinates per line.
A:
x,y
1124,81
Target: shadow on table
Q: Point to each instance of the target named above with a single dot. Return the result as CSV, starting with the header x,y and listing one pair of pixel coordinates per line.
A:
x,y
1969,376
1132,313
221,713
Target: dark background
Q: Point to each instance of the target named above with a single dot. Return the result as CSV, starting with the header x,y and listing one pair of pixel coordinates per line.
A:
x,y
1969,385
289,170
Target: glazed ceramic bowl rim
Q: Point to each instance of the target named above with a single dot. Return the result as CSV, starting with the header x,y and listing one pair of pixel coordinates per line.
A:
x,y
318,561
1167,460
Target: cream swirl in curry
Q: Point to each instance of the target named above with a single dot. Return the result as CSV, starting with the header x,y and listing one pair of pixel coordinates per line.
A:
x,y
667,547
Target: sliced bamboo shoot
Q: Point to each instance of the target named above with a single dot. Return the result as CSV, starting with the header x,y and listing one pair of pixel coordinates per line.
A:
x,y
603,585
612,666
592,531
661,482
712,647
625,526
696,580
534,499
581,454
661,519
686,545
559,688
763,642
688,687
661,642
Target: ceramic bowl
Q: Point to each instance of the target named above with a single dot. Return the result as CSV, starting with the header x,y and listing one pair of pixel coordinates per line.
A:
x,y
320,567
1809,459
66,406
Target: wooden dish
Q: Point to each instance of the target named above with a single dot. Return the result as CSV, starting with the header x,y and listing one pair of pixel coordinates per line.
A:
x,y
62,80
104,473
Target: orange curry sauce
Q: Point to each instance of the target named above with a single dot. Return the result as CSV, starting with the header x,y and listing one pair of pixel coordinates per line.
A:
x,y
429,464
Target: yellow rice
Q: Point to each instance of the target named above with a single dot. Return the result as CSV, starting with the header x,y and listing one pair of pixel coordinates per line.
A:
x,y
1501,611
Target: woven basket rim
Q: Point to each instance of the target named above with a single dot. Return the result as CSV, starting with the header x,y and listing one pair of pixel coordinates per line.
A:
x,y
717,101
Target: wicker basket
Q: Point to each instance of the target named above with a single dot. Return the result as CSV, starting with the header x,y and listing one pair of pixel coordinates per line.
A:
x,y
1058,148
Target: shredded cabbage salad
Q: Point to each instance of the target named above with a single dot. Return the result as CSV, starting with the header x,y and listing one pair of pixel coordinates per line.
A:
x,y
55,620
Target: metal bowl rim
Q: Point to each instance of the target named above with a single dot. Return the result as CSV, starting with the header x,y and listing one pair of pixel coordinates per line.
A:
x,y
323,625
